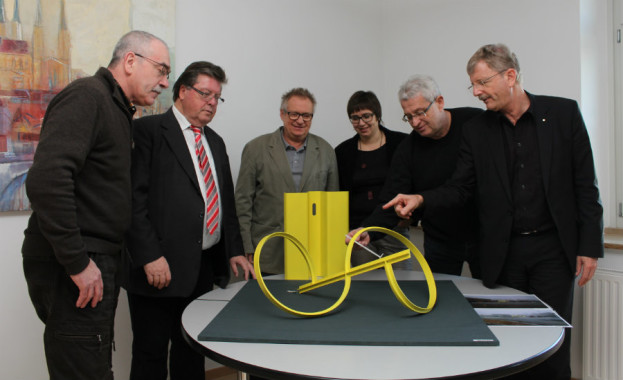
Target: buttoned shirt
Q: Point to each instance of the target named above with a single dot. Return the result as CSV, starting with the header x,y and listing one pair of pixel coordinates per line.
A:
x,y
296,159
208,239
531,212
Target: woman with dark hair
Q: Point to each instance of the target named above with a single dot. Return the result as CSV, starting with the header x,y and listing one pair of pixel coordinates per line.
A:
x,y
363,163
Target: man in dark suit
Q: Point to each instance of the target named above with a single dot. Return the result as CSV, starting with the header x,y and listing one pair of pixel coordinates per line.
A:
x,y
184,225
528,162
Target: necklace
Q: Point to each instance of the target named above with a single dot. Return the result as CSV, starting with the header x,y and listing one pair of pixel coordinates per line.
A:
x,y
359,149
359,146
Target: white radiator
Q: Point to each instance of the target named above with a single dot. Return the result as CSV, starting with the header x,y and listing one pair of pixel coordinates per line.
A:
x,y
603,327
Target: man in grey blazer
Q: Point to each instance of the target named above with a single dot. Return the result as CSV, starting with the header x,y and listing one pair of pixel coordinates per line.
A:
x,y
286,161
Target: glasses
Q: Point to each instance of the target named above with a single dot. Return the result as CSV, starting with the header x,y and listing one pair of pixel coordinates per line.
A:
x,y
207,96
164,69
295,115
483,82
366,117
417,114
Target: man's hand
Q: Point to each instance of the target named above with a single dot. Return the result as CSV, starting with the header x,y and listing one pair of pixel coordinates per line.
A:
x,y
404,204
158,273
585,266
363,239
244,264
90,284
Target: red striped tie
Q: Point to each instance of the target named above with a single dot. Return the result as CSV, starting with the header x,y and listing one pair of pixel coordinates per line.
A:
x,y
211,192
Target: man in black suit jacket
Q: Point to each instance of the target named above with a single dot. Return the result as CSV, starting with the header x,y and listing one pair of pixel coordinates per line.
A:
x,y
177,252
528,162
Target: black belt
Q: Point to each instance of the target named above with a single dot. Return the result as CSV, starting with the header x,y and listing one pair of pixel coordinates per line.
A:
x,y
532,232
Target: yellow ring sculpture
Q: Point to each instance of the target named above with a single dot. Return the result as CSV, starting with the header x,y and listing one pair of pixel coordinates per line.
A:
x,y
385,262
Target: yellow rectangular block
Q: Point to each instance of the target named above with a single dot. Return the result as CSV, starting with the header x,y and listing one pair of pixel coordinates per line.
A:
x,y
319,220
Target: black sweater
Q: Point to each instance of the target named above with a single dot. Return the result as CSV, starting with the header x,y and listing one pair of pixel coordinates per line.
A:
x,y
79,183
420,164
346,154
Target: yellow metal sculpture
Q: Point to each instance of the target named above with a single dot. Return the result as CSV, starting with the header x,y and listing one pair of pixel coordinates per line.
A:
x,y
384,262
319,221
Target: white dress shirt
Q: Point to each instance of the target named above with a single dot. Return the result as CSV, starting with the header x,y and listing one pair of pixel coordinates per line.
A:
x,y
189,136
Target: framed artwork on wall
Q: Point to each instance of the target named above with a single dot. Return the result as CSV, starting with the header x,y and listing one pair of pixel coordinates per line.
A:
x,y
46,44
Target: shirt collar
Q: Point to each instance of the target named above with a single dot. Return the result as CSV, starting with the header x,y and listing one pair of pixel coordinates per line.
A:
x,y
529,112
288,146
531,107
107,74
128,103
181,119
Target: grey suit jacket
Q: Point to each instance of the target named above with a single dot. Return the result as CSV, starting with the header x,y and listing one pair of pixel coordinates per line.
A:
x,y
264,177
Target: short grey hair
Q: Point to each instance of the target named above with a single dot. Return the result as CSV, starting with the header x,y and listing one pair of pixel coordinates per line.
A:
x,y
301,93
497,56
419,84
135,41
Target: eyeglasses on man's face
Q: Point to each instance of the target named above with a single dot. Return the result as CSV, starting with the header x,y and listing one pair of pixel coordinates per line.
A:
x,y
417,114
164,69
295,115
483,82
366,117
208,95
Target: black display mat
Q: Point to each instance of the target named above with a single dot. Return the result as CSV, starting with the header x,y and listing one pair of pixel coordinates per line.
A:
x,y
370,315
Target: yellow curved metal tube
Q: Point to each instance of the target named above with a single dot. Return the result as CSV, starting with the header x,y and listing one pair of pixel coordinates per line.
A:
x,y
385,262
428,274
273,299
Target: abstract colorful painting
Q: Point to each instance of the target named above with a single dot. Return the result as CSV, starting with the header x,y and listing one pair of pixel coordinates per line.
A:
x,y
46,44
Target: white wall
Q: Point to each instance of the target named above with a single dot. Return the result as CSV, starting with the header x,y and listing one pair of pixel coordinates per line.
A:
x,y
438,37
338,47
597,84
21,332
333,47
20,329
269,47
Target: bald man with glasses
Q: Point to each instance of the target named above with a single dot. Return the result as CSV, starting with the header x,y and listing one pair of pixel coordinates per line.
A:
x,y
288,160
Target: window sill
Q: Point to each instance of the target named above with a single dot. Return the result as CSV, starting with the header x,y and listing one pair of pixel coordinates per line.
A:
x,y
613,238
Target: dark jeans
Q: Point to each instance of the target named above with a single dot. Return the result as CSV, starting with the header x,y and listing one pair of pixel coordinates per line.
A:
x,y
536,264
77,342
156,321
448,257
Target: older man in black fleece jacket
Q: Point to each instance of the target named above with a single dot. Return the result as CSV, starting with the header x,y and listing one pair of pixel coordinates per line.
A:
x,y
79,188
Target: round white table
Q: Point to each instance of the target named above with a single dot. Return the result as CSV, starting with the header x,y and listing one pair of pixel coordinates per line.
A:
x,y
521,347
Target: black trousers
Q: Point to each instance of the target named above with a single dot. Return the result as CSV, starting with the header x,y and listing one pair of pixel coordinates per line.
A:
x,y
537,264
77,342
448,257
156,322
